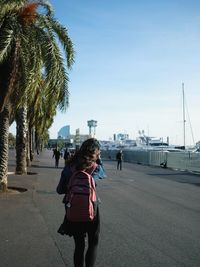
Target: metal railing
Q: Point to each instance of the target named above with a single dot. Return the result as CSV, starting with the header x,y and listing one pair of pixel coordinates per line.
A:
x,y
185,160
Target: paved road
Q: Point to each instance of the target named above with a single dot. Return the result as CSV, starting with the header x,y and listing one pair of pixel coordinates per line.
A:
x,y
149,217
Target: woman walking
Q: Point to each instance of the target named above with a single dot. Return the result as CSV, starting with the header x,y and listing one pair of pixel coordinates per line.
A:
x,y
86,161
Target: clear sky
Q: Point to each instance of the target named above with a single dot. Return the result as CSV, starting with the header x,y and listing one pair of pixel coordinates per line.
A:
x,y
131,59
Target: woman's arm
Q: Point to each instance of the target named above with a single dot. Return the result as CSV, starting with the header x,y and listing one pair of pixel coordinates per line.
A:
x,y
99,172
64,179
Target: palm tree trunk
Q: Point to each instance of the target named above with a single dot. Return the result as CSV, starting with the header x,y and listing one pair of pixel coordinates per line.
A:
x,y
4,131
28,159
37,142
21,141
31,142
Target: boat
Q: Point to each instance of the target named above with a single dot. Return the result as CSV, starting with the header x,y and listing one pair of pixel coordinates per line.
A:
x,y
142,143
145,142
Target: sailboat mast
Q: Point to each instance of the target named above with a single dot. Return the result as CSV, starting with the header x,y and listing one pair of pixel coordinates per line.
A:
x,y
184,120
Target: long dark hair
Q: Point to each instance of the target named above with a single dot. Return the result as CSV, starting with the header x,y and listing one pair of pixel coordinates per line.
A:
x,y
84,157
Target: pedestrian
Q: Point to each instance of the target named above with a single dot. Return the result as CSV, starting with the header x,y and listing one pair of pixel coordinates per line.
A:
x,y
82,161
67,155
56,155
119,158
61,153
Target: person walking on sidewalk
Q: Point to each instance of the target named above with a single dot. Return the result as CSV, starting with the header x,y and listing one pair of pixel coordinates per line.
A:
x,y
86,161
119,158
67,155
56,154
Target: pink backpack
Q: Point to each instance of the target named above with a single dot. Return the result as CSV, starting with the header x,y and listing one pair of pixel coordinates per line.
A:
x,y
81,196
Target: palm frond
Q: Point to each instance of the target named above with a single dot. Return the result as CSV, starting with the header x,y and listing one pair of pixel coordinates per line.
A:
x,y
47,6
61,86
66,42
55,73
6,39
62,33
11,6
44,112
31,64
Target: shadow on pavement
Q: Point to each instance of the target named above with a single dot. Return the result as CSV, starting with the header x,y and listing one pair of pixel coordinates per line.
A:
x,y
194,180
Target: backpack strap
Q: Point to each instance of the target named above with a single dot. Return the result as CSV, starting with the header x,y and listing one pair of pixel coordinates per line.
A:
x,y
91,169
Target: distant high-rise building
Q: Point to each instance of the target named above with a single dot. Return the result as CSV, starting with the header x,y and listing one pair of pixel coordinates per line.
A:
x,y
120,137
64,132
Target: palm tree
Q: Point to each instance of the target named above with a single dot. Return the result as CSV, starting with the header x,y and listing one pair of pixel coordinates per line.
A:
x,y
4,126
21,140
41,110
30,50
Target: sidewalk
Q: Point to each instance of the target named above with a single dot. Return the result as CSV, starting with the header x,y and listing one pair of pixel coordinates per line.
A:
x,y
29,220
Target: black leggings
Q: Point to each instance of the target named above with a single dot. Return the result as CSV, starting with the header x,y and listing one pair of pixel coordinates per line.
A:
x,y
90,257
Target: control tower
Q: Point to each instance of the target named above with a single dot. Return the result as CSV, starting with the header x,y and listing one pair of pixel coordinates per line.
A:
x,y
92,124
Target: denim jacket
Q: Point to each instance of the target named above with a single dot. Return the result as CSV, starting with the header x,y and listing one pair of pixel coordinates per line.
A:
x,y
99,173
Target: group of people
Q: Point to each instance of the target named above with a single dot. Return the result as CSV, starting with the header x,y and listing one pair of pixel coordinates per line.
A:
x,y
78,185
67,155
57,154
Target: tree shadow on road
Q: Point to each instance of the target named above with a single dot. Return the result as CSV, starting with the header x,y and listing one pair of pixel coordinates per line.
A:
x,y
45,167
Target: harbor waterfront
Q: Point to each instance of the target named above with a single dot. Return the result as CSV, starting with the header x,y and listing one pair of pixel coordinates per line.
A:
x,y
186,160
